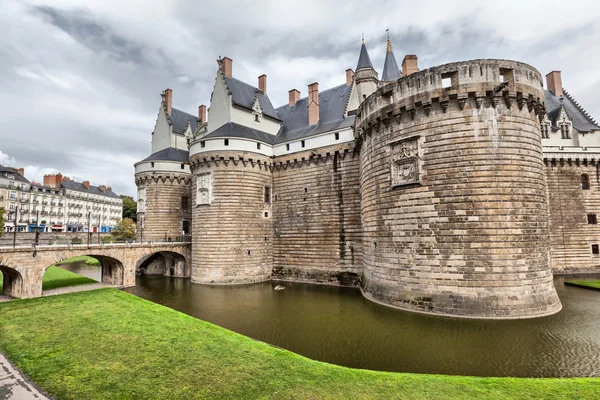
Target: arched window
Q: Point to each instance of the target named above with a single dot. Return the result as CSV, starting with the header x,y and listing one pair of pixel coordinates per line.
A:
x,y
585,182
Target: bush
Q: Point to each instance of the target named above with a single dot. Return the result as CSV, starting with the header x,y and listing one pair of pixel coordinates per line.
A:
x,y
107,239
76,240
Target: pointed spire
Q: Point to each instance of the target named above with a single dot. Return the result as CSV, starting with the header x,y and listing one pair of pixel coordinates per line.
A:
x,y
391,72
364,61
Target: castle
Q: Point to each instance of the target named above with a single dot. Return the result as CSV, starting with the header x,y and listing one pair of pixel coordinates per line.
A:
x,y
455,190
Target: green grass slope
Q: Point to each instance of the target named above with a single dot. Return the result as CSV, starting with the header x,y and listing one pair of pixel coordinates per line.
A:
x,y
107,344
56,277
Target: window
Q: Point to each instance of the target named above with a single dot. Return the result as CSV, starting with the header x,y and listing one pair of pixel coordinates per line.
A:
x,y
565,131
276,197
256,118
545,131
203,144
592,219
182,166
267,195
302,143
185,203
186,227
337,136
226,142
266,214
258,146
595,249
151,165
585,182
287,147
446,82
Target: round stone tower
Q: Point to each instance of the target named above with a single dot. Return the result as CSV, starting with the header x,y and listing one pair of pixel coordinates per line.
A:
x,y
454,194
231,203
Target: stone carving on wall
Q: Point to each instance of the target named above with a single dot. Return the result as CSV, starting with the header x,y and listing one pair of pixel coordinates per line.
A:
x,y
141,202
203,188
405,161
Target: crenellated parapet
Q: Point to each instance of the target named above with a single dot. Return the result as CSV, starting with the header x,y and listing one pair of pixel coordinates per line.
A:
x,y
319,156
463,86
163,178
225,158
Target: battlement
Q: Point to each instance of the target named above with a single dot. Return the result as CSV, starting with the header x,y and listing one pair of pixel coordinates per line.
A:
x,y
488,82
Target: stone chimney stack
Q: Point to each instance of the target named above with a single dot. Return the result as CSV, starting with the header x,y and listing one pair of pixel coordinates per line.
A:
x,y
294,97
226,66
262,83
86,184
102,188
109,189
313,103
410,64
202,114
53,181
168,100
349,77
554,83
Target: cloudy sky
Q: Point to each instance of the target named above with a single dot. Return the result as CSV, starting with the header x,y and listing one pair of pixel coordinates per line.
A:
x,y
80,81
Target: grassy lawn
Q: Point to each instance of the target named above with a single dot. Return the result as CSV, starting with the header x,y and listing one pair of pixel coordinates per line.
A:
x,y
107,344
592,284
56,277
88,260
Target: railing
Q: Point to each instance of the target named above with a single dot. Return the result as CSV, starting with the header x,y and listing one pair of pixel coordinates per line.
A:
x,y
82,240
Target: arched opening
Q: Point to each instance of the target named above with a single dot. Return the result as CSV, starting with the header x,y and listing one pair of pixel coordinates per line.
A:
x,y
166,263
11,282
78,271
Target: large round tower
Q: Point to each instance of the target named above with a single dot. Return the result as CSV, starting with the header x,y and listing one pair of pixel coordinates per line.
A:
x,y
453,192
232,225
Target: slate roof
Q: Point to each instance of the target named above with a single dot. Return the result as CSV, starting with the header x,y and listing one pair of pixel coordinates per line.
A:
x,y
363,59
233,130
79,187
581,121
332,106
18,176
243,95
180,119
391,72
169,154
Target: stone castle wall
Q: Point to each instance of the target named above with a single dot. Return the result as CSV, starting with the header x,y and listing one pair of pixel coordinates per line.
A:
x,y
232,224
316,216
571,237
454,204
163,215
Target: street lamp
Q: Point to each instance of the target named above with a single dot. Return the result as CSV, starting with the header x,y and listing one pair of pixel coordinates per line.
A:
x,y
15,230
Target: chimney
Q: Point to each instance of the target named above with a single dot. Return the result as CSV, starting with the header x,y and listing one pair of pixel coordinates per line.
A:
x,y
294,96
202,114
262,83
168,100
102,188
86,184
313,103
409,64
21,171
53,181
109,189
554,83
226,65
349,77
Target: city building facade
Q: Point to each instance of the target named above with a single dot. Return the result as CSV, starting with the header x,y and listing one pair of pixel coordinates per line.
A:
x,y
455,190
14,197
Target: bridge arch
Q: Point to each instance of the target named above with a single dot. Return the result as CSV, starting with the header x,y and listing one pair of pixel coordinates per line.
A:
x,y
12,285
167,263
112,270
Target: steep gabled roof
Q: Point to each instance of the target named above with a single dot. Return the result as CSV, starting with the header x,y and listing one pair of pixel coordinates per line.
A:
x,y
581,121
364,61
332,107
169,154
233,130
243,95
180,119
10,171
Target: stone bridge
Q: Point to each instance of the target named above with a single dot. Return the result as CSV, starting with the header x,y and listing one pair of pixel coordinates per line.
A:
x,y
23,268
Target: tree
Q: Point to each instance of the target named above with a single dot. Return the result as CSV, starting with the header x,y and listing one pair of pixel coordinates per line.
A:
x,y
129,207
1,220
125,229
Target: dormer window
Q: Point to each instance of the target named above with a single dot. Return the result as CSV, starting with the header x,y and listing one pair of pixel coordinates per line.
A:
x,y
545,127
256,118
565,130
564,123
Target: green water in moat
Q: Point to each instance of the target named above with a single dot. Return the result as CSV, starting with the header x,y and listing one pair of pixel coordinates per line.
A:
x,y
338,325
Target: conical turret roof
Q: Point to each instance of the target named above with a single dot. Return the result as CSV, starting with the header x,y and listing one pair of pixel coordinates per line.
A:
x,y
364,61
391,72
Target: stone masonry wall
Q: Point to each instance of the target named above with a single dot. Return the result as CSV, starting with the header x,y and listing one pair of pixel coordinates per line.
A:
x,y
232,231
316,209
163,215
454,194
571,237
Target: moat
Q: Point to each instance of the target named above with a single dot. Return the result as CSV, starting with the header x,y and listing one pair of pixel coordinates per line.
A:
x,y
339,326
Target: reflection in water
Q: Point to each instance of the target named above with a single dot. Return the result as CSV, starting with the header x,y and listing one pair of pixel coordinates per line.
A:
x,y
339,326
80,267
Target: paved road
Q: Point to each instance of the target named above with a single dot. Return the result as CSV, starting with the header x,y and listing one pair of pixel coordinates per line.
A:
x,y
14,386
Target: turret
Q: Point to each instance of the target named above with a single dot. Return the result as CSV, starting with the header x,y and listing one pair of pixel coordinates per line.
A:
x,y
391,72
365,76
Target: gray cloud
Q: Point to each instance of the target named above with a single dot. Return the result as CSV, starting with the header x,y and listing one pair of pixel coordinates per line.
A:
x,y
80,82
